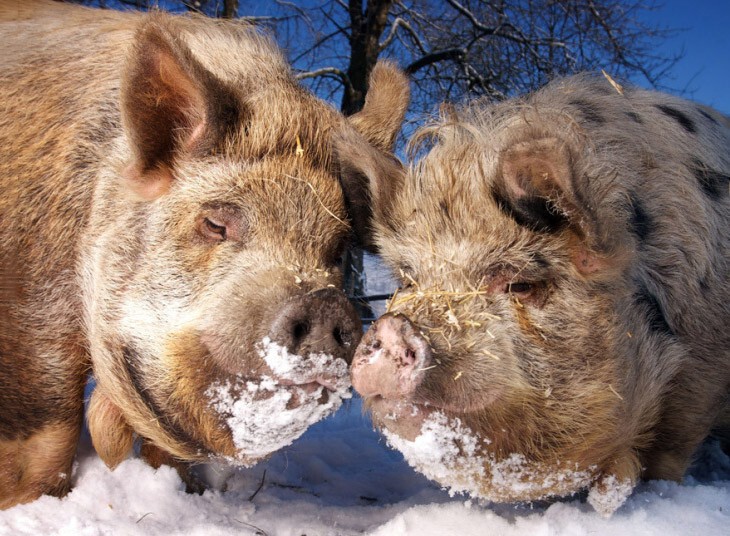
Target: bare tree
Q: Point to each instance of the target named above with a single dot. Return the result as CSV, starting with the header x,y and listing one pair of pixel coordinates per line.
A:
x,y
456,48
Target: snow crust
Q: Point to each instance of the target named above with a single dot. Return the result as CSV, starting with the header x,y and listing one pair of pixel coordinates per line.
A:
x,y
269,414
299,369
448,452
340,479
610,495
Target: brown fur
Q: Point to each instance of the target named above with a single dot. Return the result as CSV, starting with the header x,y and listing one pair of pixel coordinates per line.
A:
x,y
128,140
40,463
614,208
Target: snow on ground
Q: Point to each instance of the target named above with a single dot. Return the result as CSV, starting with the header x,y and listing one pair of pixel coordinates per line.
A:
x,y
340,478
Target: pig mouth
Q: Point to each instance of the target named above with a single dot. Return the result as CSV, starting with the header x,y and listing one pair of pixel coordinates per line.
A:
x,y
267,414
318,390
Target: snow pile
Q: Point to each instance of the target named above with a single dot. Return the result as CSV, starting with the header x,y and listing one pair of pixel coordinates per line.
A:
x,y
449,452
268,414
610,494
340,479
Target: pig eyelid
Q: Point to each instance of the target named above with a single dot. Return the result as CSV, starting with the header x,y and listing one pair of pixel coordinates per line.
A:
x,y
214,230
519,287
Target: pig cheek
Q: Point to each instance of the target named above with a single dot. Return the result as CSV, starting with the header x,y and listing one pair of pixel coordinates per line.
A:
x,y
399,417
192,371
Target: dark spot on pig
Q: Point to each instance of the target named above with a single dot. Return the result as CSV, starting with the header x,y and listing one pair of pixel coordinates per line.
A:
x,y
636,118
445,209
681,118
642,223
653,311
536,213
704,285
713,183
708,116
539,259
588,111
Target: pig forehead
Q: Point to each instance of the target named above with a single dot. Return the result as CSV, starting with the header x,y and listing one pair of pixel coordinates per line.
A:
x,y
271,176
451,253
285,191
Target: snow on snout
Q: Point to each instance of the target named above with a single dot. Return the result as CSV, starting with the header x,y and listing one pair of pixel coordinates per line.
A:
x,y
268,414
320,367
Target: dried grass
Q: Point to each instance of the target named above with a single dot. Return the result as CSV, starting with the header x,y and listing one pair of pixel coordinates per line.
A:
x,y
445,315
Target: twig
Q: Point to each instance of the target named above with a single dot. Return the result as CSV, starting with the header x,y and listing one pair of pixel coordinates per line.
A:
x,y
141,518
261,485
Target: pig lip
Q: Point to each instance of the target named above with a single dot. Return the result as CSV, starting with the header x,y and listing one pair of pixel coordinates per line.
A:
x,y
402,417
309,387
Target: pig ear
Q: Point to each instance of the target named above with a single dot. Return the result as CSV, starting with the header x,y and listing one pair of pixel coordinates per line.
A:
x,y
536,188
370,180
170,105
386,102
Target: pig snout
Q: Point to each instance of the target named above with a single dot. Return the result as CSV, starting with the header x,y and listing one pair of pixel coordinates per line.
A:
x,y
321,321
391,360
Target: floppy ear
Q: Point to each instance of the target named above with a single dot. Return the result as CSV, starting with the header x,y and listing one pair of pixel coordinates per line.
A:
x,y
536,187
369,173
170,105
385,107
370,180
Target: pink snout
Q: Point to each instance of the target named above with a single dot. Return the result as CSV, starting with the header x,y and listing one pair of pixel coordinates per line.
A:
x,y
391,359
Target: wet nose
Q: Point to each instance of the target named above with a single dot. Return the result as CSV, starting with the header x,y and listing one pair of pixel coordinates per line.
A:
x,y
391,359
321,321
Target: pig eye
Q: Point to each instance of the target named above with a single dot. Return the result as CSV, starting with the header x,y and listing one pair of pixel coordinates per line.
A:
x,y
533,293
519,287
213,230
221,222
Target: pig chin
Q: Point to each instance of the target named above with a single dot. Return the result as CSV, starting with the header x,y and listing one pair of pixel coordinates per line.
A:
x,y
205,410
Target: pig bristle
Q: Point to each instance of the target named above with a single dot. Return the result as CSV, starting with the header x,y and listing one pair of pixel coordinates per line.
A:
x,y
444,312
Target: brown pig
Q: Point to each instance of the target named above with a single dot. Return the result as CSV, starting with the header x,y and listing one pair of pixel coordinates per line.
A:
x,y
171,218
563,322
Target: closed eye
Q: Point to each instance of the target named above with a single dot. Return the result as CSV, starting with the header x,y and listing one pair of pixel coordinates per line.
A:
x,y
213,230
519,287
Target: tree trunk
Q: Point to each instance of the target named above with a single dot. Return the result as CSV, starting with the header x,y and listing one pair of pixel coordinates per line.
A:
x,y
230,9
365,31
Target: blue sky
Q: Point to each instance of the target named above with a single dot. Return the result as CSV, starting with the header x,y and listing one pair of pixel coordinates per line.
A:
x,y
704,71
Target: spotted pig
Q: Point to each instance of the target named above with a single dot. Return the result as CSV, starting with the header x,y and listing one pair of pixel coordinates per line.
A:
x,y
563,320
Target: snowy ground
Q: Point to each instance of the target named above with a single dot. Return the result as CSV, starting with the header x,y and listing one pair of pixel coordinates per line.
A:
x,y
340,478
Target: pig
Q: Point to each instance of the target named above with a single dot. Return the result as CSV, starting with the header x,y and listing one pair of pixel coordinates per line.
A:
x,y
562,320
171,221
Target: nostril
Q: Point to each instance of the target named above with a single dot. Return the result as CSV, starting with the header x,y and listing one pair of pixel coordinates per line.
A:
x,y
337,335
342,337
300,330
